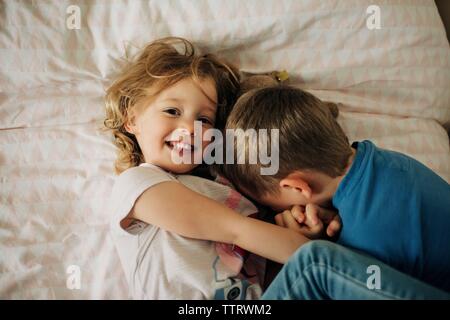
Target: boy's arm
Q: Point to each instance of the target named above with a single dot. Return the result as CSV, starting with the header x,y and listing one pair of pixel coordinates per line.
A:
x,y
176,208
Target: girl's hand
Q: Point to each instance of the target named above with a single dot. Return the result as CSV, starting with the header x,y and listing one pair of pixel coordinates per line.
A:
x,y
310,221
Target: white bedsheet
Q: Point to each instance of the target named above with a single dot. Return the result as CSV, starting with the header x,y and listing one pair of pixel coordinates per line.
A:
x,y
56,165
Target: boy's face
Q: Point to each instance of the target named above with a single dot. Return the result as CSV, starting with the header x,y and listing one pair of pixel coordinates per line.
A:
x,y
166,126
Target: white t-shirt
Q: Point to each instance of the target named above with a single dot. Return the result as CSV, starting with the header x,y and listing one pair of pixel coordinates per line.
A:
x,y
163,265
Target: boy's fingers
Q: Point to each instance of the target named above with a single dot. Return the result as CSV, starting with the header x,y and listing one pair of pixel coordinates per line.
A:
x,y
279,220
331,230
289,221
314,224
334,227
325,215
312,218
298,214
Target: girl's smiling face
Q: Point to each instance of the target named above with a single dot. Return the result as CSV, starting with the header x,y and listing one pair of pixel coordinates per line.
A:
x,y
165,126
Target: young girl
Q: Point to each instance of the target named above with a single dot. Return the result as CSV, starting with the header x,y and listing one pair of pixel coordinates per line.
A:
x,y
157,209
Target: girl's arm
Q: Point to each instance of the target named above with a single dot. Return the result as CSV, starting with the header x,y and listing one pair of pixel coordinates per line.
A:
x,y
176,208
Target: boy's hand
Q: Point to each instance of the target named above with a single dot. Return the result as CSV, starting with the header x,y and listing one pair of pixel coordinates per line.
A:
x,y
310,221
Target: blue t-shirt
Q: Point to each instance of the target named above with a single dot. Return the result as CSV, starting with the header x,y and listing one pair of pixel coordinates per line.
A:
x,y
397,210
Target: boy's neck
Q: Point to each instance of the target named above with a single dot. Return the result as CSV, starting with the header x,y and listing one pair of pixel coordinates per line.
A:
x,y
327,186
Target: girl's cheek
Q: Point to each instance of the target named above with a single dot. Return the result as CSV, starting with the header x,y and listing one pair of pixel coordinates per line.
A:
x,y
205,144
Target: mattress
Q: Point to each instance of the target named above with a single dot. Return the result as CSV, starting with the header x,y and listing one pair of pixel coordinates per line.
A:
x,y
58,57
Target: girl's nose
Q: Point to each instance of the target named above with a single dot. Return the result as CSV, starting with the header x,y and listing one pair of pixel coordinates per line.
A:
x,y
188,128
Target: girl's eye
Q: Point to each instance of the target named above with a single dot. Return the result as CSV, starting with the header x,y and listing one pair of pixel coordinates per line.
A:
x,y
172,111
206,121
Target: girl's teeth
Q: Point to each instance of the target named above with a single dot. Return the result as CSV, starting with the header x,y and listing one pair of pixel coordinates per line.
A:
x,y
181,145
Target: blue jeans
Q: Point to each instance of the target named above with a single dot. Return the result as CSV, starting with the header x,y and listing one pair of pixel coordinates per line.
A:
x,y
324,270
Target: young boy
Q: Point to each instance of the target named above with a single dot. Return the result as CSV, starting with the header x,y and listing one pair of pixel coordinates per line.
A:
x,y
392,206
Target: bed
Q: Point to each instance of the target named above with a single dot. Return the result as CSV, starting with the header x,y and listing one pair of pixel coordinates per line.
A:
x,y
57,58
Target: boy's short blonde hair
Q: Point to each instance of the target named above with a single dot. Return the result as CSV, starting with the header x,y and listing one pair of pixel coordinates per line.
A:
x,y
310,137
160,65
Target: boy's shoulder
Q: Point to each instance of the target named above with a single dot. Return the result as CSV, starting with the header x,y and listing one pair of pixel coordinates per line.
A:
x,y
393,166
393,160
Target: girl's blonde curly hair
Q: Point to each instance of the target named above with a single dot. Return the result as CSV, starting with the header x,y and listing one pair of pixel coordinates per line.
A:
x,y
160,65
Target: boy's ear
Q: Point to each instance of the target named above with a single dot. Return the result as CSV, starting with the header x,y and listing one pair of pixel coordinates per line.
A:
x,y
297,181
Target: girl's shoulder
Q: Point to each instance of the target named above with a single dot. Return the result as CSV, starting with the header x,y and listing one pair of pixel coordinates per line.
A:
x,y
144,175
146,169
